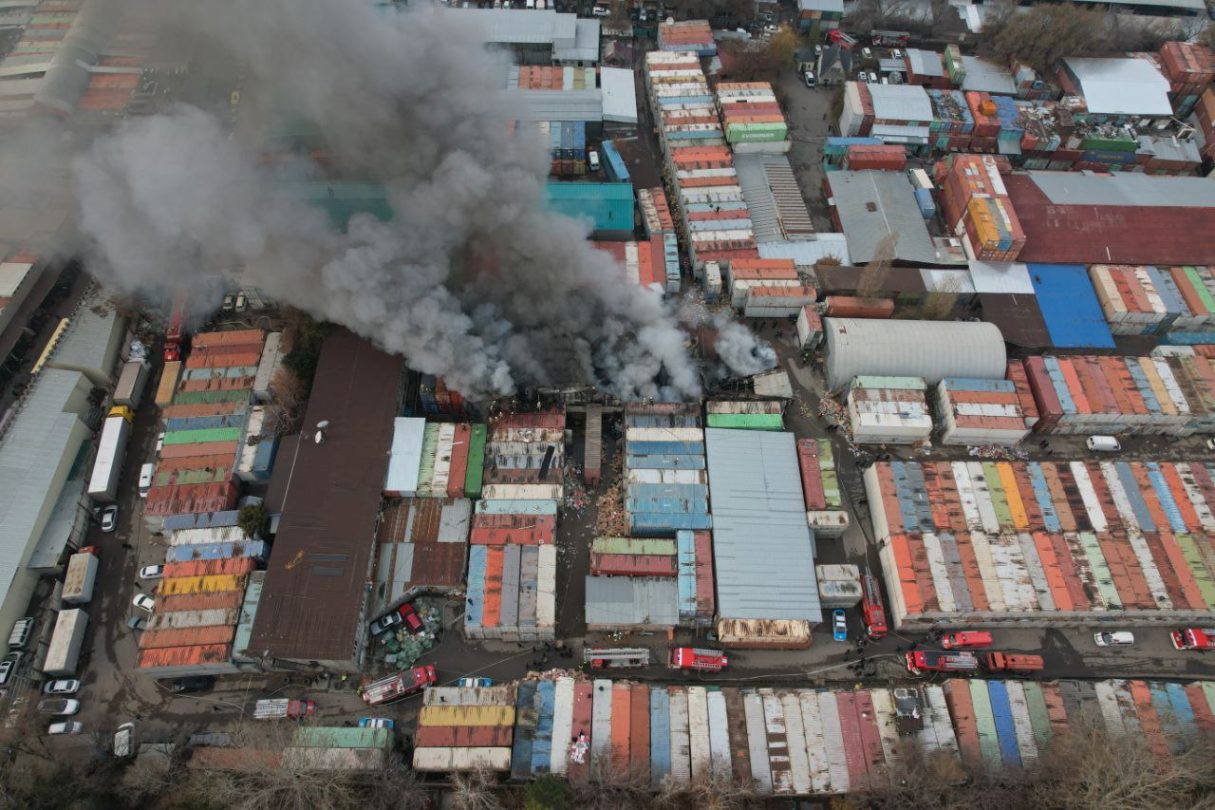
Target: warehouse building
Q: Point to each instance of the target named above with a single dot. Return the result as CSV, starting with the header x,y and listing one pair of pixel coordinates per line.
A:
x,y
858,347
1117,89
538,37
314,600
870,205
1121,218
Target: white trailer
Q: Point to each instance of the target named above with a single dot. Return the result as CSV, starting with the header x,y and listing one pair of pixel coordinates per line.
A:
x,y
131,382
103,484
64,654
80,578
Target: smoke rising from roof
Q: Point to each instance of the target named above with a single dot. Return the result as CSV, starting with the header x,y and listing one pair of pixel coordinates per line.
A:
x,y
473,279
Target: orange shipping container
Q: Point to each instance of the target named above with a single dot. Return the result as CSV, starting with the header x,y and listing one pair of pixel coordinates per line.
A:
x,y
238,337
202,568
228,449
185,656
492,611
621,716
639,733
187,636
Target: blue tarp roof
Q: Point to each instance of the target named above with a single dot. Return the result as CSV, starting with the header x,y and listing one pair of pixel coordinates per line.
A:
x,y
1069,306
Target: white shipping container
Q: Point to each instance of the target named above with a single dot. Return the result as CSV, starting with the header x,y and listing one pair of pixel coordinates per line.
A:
x,y
447,440
719,735
546,592
103,483
799,762
1111,713
522,492
757,742
816,750
1022,725
182,619
601,724
563,723
268,366
833,741
469,696
883,710
405,457
681,746
1130,717
698,733
937,715
206,536
665,476
778,743
461,759
665,434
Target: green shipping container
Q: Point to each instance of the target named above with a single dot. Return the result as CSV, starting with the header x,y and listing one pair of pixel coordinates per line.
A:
x,y
999,501
1109,144
747,421
989,744
341,737
1193,558
1039,717
633,545
476,462
1100,569
213,476
210,397
201,436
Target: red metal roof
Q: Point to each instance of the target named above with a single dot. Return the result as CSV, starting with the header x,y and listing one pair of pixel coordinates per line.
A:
x,y
1109,234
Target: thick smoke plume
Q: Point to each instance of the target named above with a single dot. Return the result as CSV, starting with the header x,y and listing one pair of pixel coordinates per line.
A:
x,y
473,279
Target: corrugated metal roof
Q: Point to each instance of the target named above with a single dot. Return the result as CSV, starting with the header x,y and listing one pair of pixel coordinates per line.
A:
x,y
900,133
872,204
1124,188
619,88
1170,148
1070,307
509,26
925,63
986,77
549,105
773,197
585,47
58,531
929,349
621,601
1121,86
763,549
97,329
900,102
806,252
1001,277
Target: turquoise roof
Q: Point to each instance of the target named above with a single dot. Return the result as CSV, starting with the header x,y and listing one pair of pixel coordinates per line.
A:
x,y
609,206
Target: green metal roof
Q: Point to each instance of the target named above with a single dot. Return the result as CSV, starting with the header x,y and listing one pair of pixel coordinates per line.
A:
x,y
633,545
609,206
747,421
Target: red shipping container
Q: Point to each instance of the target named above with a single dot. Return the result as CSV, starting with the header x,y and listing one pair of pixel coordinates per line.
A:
x,y
579,757
621,722
639,733
705,590
464,736
812,476
846,306
634,565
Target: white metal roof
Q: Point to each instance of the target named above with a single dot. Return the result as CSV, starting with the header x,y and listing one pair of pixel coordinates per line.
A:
x,y
405,458
900,102
11,276
619,95
763,549
1123,189
891,133
807,252
930,349
925,63
773,197
1001,277
986,77
510,26
872,204
1121,86
548,105
585,44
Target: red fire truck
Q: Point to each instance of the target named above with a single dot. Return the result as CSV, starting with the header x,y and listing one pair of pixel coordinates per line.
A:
x,y
922,662
966,638
399,685
871,607
1193,638
698,660
175,330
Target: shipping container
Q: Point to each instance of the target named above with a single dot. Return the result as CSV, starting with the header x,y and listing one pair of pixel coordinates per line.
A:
x,y
67,639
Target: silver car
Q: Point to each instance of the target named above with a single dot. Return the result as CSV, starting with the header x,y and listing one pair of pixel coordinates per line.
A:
x,y
68,686
1118,638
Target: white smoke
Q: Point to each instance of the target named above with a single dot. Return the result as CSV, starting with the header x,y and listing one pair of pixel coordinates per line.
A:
x,y
473,279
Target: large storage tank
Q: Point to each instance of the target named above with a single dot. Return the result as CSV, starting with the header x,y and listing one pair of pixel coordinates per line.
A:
x,y
930,349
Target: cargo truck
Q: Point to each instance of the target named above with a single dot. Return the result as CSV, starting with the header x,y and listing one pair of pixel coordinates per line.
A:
x,y
1013,662
80,578
697,660
103,483
1193,638
280,708
131,383
616,657
63,654
922,662
398,685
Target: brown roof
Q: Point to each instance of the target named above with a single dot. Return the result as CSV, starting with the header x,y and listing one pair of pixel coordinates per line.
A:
x,y
1018,317
315,581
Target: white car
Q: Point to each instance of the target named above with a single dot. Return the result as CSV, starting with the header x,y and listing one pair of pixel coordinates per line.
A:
x,y
152,572
69,686
160,442
895,53
109,518
66,727
1118,638
144,602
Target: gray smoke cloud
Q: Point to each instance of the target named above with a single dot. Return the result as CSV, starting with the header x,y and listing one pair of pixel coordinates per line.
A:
x,y
473,279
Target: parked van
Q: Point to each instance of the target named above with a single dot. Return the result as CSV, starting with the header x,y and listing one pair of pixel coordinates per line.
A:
x,y
20,634
810,82
592,160
145,479
1103,444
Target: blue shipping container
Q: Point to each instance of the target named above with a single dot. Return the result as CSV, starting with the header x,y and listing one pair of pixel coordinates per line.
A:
x,y
686,544
476,586
664,462
668,505
1006,731
648,525
517,508
526,716
665,448
1165,496
660,735
217,551
542,745
613,163
668,491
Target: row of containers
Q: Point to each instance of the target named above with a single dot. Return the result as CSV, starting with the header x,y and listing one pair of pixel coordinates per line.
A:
x,y
1172,396
691,35
821,487
658,224
762,288
752,118
214,435
666,480
904,410
435,459
786,741
1150,300
685,564
708,202
435,396
512,567
993,542
976,206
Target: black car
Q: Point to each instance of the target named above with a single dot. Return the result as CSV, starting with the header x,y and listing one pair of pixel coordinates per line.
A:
x,y
200,683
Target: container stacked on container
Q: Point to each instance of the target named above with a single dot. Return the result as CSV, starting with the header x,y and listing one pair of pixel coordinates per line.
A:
x,y
435,459
193,624
642,265
752,118
209,537
566,142
967,543
207,426
664,470
820,487
749,414
690,35
952,126
836,149
881,157
708,204
660,230
465,728
809,328
978,412
1190,69
549,77
977,208
888,410
1150,300
857,118
1204,117
839,586
512,569
766,288
1148,395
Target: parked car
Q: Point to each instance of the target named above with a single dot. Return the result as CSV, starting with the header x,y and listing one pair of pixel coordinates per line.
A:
x,y
839,625
601,11
109,518
386,622
151,572
160,442
375,722
413,622
895,53
199,683
1117,638
592,161
61,706
9,665
65,686
19,636
144,602
240,301
136,623
229,303
474,683
66,727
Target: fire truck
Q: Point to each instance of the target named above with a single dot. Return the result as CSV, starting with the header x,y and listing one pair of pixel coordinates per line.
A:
x,y
697,660
965,639
1013,662
1193,638
838,37
922,662
175,330
871,607
398,685
616,657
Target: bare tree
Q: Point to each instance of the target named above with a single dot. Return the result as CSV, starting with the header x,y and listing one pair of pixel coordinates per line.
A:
x,y
874,274
708,793
939,304
1047,33
473,790
288,397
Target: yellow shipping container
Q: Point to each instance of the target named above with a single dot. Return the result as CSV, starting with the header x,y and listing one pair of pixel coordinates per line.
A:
x,y
985,233
467,716
1157,385
169,378
176,586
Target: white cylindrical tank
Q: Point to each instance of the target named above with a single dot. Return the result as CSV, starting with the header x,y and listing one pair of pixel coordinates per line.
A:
x,y
930,349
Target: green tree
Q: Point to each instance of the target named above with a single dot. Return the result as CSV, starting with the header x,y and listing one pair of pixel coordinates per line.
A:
x,y
253,520
548,792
